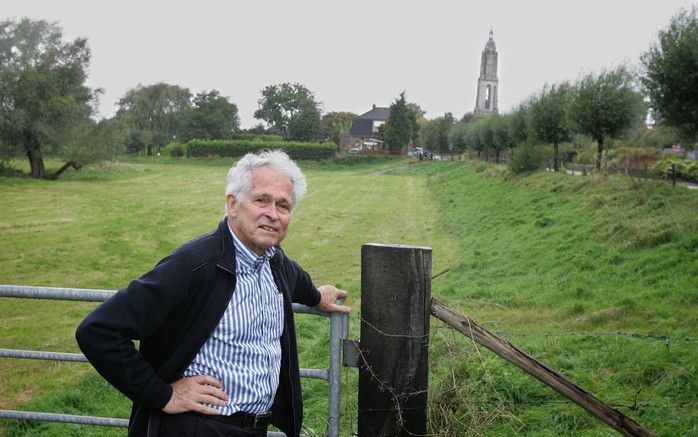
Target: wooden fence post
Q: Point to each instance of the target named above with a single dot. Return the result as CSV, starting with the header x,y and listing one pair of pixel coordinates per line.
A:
x,y
393,366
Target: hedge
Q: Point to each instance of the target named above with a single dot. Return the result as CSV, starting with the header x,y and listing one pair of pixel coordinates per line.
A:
x,y
235,148
256,137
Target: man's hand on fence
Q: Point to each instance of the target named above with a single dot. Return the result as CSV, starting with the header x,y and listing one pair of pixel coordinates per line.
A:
x,y
191,394
329,294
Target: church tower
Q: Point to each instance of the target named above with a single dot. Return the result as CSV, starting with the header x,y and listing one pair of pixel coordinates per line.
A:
x,y
487,82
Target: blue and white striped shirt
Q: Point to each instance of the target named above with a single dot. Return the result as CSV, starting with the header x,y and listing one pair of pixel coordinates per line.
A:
x,y
244,350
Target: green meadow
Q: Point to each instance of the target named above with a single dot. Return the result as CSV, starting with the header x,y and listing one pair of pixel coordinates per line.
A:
x,y
595,276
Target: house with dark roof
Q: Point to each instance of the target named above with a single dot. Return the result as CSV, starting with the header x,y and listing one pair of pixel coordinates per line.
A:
x,y
364,134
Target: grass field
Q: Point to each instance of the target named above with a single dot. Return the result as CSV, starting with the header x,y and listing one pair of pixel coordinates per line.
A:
x,y
558,258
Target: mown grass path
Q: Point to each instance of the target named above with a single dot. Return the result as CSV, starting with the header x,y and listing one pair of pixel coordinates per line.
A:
x,y
100,229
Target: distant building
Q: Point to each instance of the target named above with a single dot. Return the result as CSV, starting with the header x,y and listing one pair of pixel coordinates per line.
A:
x,y
486,102
364,133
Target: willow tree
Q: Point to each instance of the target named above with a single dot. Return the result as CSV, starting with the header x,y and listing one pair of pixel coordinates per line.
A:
x,y
549,117
45,107
671,73
154,115
606,105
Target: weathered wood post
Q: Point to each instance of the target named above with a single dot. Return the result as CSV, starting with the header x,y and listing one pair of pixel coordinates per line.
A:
x,y
393,366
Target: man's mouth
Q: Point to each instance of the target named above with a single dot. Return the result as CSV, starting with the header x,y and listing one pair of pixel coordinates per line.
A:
x,y
268,228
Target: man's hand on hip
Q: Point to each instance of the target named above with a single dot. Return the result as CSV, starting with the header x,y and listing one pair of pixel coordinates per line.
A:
x,y
192,393
329,294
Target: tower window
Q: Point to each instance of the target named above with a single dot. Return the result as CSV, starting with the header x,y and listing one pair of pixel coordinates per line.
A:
x,y
488,96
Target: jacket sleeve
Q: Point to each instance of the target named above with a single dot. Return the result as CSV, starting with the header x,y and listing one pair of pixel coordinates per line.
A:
x,y
106,335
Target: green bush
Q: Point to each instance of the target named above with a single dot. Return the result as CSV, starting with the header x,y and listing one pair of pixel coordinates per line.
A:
x,y
586,153
527,158
659,137
627,158
236,148
241,136
174,149
685,169
635,154
568,152
177,151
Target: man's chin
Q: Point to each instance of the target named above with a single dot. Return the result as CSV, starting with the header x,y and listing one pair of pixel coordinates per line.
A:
x,y
266,243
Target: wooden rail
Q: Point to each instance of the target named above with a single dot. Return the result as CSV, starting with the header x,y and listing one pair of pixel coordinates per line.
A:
x,y
612,417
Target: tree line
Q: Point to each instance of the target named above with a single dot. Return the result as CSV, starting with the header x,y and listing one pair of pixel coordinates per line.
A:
x,y
601,107
47,110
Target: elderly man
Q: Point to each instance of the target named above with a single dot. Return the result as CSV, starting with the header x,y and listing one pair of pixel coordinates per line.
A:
x,y
217,349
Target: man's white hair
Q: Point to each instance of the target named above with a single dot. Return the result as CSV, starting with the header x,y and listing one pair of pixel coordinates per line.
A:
x,y
239,179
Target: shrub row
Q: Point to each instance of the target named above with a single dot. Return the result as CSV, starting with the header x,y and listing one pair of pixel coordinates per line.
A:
x,y
254,137
235,148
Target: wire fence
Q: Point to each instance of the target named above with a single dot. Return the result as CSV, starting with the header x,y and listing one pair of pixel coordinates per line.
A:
x,y
467,393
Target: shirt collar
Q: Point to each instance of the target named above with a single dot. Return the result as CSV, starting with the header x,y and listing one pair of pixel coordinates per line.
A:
x,y
247,257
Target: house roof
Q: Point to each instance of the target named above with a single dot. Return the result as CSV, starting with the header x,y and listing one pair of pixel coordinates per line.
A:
x,y
376,113
362,126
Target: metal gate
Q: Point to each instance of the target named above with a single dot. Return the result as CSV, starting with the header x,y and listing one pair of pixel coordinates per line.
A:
x,y
339,326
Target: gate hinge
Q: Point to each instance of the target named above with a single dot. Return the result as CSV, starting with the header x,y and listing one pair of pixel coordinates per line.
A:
x,y
352,349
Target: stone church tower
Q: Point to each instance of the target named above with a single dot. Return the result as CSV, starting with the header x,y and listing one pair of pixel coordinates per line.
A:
x,y
487,83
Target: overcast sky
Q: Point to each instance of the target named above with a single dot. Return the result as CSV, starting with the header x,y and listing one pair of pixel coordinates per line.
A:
x,y
351,54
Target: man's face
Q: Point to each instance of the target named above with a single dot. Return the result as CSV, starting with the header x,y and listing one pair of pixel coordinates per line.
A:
x,y
260,219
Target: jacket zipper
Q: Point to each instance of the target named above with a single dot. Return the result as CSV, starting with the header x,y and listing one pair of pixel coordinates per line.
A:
x,y
290,380
275,274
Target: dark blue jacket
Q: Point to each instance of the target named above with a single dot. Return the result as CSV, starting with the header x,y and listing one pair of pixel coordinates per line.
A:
x,y
172,310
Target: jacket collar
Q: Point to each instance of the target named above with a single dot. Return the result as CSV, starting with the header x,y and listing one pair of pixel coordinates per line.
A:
x,y
226,259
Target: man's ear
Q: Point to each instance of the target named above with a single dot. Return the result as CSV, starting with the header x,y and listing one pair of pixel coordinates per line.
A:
x,y
232,204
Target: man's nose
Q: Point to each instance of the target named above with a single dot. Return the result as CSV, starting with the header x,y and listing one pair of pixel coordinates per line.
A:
x,y
271,212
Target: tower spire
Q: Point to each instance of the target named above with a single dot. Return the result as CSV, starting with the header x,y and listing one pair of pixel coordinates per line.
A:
x,y
487,83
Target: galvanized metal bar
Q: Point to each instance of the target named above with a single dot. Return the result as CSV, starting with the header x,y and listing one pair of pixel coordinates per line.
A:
x,y
81,294
80,420
42,355
300,308
90,295
315,373
66,418
339,326
337,333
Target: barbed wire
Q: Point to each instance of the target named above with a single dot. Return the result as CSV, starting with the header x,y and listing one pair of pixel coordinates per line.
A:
x,y
594,333
545,334
385,334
